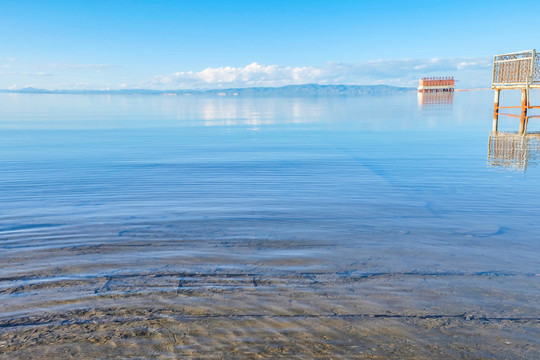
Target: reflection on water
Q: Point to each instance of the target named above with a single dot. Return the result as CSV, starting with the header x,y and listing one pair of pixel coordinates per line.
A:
x,y
435,99
513,151
31,111
255,112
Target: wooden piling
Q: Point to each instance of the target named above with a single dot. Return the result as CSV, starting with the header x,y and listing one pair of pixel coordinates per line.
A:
x,y
523,117
496,111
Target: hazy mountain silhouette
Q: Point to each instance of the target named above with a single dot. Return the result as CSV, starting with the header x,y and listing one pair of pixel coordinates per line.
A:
x,y
285,91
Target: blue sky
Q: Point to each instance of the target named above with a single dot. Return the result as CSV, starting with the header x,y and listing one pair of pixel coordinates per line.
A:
x,y
165,44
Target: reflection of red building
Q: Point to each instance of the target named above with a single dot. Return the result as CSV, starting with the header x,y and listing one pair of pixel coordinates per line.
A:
x,y
436,84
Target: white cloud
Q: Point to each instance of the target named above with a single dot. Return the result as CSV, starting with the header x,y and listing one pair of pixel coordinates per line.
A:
x,y
253,74
96,67
404,72
39,73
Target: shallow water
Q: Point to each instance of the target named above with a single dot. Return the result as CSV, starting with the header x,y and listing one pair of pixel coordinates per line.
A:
x,y
359,227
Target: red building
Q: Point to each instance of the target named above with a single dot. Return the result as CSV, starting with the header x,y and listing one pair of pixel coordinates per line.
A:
x,y
436,84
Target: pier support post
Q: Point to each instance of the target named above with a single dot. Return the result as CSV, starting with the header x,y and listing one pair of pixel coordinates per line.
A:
x,y
524,106
496,111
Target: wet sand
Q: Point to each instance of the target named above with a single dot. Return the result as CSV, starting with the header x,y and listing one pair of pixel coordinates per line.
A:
x,y
197,298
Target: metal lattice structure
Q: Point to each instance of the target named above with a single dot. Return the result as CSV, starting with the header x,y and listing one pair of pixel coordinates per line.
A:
x,y
516,70
519,70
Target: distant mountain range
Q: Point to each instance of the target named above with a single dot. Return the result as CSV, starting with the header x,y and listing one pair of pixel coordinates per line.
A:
x,y
307,90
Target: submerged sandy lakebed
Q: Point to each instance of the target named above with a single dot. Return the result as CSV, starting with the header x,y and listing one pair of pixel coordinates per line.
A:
x,y
248,298
152,227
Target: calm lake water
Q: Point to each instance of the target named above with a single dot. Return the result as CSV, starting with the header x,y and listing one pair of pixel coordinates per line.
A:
x,y
226,227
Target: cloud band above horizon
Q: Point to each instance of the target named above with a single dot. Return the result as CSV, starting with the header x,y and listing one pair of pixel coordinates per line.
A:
x,y
470,72
404,72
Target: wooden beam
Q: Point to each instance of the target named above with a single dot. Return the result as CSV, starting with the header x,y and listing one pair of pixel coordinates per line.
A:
x,y
513,115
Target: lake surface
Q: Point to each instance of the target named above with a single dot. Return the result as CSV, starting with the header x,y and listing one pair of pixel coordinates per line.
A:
x,y
356,227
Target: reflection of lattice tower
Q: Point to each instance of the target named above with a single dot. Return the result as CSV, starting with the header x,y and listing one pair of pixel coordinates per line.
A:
x,y
519,70
513,150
